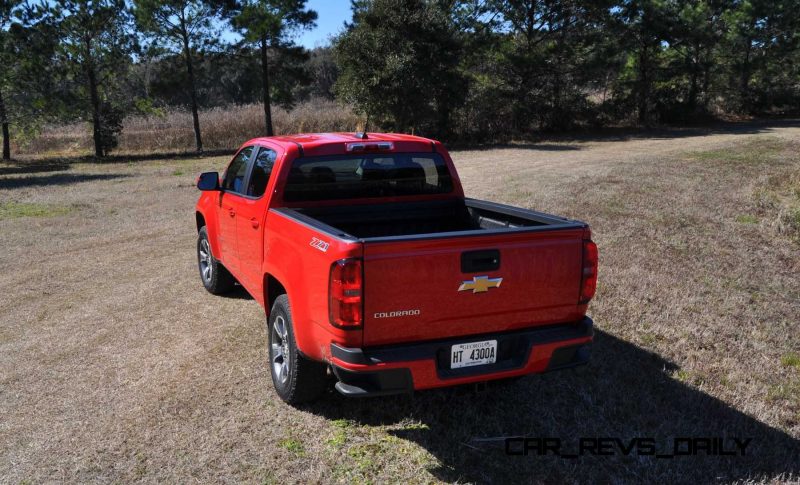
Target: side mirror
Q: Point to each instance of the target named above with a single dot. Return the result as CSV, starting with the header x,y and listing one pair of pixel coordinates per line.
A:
x,y
208,181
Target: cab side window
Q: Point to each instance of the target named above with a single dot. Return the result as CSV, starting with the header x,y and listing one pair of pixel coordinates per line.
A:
x,y
262,169
234,176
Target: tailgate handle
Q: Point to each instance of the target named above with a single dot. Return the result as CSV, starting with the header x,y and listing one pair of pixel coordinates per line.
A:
x,y
481,260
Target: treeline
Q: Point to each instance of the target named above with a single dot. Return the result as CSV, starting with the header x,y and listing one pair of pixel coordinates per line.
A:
x,y
485,69
478,70
100,60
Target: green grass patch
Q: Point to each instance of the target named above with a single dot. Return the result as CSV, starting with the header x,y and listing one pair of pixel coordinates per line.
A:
x,y
362,461
648,339
293,446
747,219
689,377
269,479
791,221
784,392
683,375
341,423
416,427
752,151
13,210
338,439
791,360
363,456
779,197
177,172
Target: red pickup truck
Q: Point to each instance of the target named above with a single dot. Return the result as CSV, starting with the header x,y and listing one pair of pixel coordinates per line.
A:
x,y
370,262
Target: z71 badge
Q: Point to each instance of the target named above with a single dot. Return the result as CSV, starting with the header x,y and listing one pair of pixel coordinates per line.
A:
x,y
319,244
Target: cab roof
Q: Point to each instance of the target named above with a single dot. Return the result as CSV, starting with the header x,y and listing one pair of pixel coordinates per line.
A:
x,y
310,144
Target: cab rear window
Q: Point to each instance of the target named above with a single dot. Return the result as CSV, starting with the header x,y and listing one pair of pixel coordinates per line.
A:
x,y
367,175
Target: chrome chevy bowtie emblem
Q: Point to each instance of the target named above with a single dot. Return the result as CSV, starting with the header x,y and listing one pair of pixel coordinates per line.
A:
x,y
480,284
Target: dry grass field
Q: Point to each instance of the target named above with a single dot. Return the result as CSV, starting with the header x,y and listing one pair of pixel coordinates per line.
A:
x,y
170,132
116,365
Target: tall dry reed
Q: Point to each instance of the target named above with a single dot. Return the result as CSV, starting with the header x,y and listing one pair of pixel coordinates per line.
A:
x,y
221,128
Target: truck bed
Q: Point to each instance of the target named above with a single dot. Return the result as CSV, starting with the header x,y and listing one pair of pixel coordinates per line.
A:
x,y
421,258
426,219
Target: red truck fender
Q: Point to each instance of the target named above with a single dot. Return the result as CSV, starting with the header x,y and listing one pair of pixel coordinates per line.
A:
x,y
205,215
303,269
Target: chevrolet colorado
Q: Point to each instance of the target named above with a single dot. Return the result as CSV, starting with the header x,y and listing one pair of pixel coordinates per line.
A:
x,y
369,260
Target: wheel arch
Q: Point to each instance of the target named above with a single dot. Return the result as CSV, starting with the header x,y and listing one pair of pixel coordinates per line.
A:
x,y
200,219
204,219
304,332
273,288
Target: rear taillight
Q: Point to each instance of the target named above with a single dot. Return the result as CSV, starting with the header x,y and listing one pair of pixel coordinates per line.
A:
x,y
345,293
589,275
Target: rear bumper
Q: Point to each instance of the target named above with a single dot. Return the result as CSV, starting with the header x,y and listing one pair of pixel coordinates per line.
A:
x,y
398,369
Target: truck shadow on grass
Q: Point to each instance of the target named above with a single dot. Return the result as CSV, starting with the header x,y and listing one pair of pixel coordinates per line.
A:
x,y
626,392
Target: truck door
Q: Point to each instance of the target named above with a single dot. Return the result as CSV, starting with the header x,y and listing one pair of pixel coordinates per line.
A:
x,y
250,218
230,198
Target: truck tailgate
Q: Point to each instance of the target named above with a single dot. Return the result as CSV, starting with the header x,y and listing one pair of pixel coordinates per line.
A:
x,y
411,287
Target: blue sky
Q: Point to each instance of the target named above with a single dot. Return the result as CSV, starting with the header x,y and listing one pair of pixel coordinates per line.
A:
x,y
332,14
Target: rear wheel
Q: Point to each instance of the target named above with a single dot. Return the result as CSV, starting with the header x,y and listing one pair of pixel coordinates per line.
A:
x,y
216,279
296,378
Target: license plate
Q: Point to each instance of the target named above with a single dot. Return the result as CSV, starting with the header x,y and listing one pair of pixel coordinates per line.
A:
x,y
473,353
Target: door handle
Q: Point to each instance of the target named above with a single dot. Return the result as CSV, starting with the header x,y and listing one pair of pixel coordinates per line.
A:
x,y
231,213
481,260
254,223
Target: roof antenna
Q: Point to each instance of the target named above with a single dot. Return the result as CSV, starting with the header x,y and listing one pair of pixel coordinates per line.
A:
x,y
363,133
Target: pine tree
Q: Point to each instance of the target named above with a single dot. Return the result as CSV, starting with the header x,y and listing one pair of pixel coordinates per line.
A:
x,y
95,47
270,26
183,26
399,64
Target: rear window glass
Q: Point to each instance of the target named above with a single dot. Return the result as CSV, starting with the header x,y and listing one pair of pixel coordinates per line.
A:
x,y
367,175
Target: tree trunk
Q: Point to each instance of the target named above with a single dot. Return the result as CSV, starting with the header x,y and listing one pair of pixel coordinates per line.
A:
x,y
96,121
692,101
265,88
192,88
644,86
94,97
694,81
6,135
706,79
744,83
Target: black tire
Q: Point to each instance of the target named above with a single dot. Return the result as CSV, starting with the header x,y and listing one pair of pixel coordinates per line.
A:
x,y
296,378
216,279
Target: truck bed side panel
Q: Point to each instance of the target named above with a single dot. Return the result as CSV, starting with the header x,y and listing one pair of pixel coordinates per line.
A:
x,y
303,269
